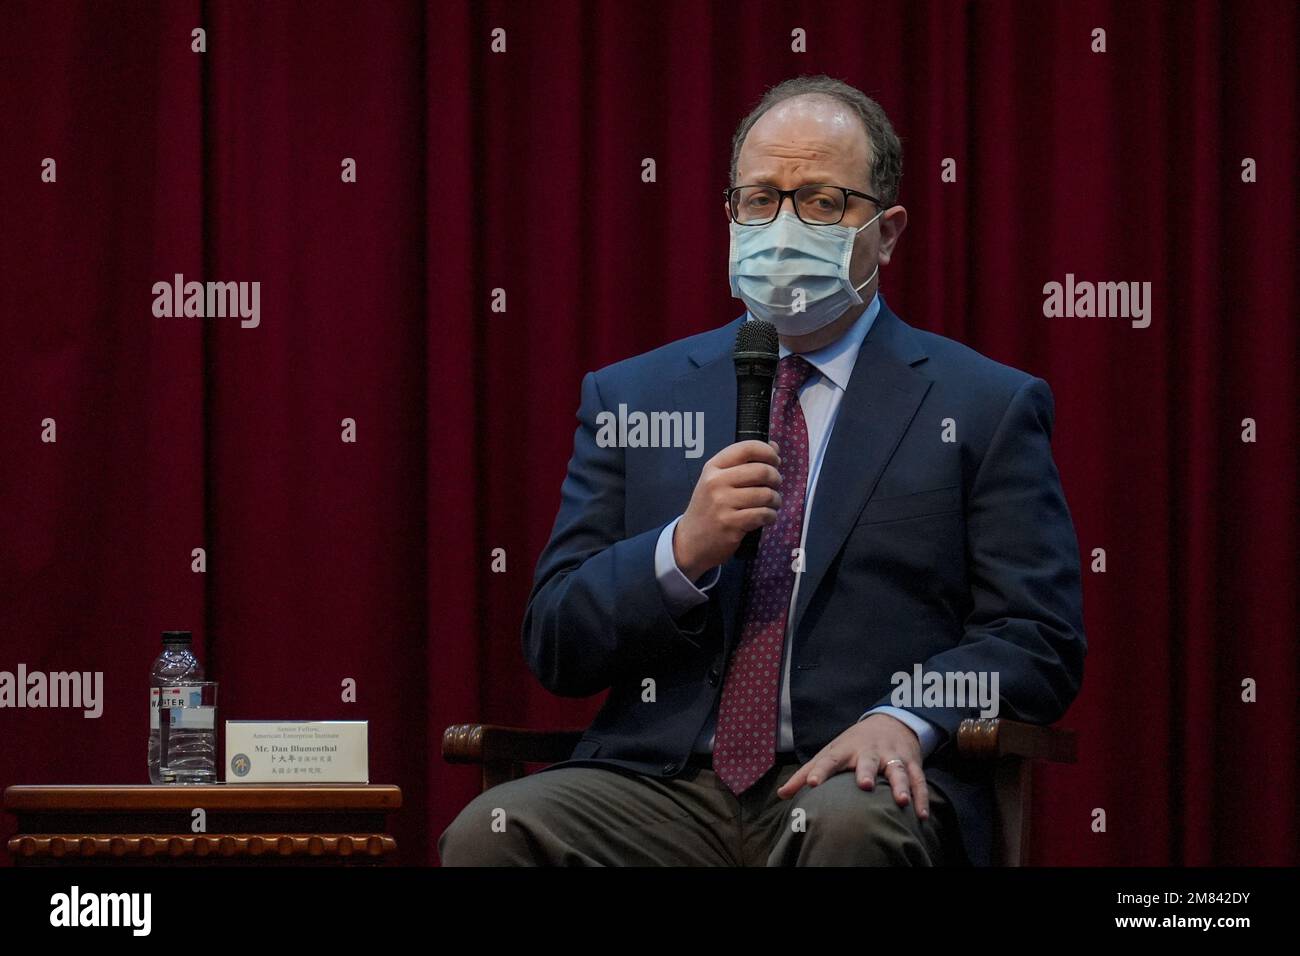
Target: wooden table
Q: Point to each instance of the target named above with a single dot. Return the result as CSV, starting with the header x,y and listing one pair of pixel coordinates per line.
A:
x,y
246,824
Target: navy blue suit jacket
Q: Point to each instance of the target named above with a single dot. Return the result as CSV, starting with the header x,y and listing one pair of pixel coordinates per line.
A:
x,y
958,555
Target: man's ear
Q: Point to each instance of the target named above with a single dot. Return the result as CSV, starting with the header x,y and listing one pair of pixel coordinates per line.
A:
x,y
892,224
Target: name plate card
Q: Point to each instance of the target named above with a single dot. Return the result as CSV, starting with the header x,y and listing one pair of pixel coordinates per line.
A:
x,y
319,751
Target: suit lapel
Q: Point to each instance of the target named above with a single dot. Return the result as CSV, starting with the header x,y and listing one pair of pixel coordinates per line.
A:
x,y
710,386
883,395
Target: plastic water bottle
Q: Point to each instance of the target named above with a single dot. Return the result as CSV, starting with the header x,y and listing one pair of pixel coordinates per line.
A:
x,y
176,665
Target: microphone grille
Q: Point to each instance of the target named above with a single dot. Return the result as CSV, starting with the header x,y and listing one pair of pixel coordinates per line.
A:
x,y
756,335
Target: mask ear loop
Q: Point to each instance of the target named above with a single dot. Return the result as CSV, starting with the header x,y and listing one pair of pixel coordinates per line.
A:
x,y
867,281
849,261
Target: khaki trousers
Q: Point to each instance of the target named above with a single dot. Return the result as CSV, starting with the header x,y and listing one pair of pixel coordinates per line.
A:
x,y
609,816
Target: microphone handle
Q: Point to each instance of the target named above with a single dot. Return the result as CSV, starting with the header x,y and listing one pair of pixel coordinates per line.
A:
x,y
752,419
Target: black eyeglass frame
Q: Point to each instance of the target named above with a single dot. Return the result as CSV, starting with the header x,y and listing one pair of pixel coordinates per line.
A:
x,y
782,193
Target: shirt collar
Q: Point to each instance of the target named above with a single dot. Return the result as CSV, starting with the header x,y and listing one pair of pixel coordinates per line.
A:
x,y
836,361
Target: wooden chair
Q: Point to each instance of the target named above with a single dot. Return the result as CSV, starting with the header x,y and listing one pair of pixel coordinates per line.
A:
x,y
1011,745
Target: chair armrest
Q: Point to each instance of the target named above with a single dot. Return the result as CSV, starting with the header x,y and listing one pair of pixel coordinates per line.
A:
x,y
991,738
977,738
493,744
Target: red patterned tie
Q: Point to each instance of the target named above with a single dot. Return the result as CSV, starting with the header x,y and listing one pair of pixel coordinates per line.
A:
x,y
744,743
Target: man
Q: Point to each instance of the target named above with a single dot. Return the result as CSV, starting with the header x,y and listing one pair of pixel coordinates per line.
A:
x,y
911,514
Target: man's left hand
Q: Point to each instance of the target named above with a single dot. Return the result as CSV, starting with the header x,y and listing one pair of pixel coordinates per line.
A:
x,y
880,744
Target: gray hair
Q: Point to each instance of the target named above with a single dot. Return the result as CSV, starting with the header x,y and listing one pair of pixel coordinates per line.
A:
x,y
885,152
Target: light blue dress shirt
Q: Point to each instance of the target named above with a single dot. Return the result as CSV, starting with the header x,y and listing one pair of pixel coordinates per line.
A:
x,y
820,400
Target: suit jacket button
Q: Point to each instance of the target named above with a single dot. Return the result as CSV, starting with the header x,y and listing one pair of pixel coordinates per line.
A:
x,y
714,676
670,768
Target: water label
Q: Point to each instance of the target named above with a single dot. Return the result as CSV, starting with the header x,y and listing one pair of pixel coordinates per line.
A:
x,y
186,706
179,695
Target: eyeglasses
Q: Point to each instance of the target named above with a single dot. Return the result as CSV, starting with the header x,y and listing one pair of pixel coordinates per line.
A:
x,y
817,205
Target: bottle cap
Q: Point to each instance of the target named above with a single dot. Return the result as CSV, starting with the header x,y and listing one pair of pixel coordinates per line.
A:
x,y
177,637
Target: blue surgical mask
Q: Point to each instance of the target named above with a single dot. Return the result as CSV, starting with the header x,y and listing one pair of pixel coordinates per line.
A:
x,y
770,265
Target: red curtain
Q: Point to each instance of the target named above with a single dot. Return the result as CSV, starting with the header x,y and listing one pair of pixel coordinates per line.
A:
x,y
521,171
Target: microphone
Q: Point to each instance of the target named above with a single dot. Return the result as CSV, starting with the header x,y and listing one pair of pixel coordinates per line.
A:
x,y
755,357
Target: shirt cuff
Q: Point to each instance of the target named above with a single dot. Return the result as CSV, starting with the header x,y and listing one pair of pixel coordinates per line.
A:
x,y
927,733
680,593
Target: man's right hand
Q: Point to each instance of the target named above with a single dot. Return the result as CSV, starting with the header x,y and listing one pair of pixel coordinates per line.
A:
x,y
737,492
